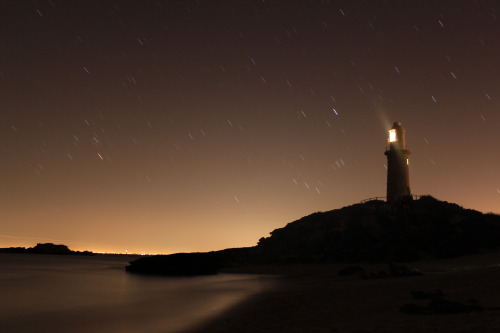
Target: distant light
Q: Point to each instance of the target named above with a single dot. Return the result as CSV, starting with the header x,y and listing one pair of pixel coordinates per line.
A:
x,y
392,135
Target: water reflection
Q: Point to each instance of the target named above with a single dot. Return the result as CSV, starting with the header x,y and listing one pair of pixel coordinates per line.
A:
x,y
93,294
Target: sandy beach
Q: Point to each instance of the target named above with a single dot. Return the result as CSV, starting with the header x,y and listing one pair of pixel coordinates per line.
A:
x,y
314,298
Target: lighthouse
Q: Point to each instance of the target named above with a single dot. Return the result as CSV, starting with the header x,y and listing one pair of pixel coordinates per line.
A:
x,y
398,176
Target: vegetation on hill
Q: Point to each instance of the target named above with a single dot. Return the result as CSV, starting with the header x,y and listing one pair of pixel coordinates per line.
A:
x,y
375,231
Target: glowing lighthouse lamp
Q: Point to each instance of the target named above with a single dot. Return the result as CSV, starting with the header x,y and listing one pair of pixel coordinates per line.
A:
x,y
392,135
398,176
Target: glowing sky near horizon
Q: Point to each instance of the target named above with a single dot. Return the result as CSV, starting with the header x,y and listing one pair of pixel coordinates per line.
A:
x,y
168,126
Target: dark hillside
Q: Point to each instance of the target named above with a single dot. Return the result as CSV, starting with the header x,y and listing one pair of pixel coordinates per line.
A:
x,y
374,231
370,232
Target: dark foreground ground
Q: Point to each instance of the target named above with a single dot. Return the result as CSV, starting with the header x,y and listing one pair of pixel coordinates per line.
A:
x,y
314,298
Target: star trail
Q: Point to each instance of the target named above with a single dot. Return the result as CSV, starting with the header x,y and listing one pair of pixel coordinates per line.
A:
x,y
168,126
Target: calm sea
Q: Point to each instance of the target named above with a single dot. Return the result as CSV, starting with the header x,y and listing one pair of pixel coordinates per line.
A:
x,y
48,293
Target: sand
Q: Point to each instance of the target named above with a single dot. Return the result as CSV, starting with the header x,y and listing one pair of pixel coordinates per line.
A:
x,y
313,298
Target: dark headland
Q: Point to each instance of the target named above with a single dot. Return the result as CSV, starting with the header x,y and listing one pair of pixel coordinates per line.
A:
x,y
45,248
370,232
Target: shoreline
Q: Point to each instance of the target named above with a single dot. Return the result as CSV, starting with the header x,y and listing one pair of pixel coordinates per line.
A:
x,y
314,298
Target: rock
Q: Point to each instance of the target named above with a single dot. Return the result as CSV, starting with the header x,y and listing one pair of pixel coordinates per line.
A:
x,y
419,294
188,264
179,264
400,270
443,306
439,305
351,270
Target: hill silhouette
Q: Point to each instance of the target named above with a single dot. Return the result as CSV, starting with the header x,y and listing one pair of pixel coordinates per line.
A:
x,y
375,231
366,232
45,248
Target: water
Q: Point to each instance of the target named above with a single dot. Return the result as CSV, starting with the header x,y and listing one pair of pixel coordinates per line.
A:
x,y
45,293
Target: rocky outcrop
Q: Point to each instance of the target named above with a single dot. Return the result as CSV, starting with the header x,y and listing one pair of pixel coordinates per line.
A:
x,y
189,264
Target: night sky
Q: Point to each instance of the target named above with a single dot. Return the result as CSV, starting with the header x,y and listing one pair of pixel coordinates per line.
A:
x,y
168,126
